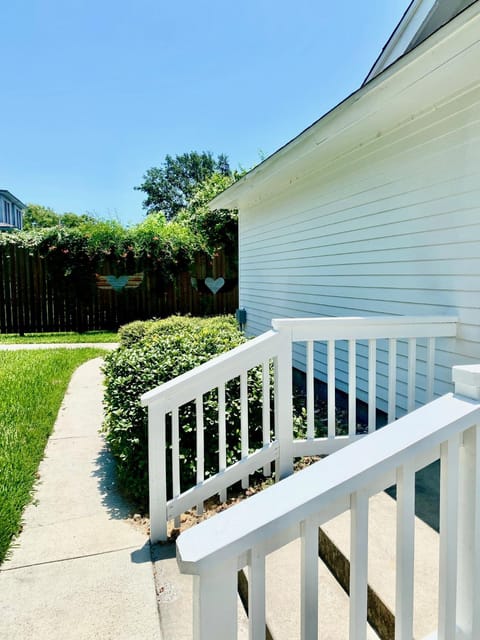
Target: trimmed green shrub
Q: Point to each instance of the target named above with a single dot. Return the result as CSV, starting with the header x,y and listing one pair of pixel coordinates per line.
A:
x,y
131,333
157,351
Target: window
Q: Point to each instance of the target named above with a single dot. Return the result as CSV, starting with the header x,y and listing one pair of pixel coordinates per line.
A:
x,y
6,210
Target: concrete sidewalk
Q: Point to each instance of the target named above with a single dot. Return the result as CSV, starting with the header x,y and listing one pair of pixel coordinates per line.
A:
x,y
79,570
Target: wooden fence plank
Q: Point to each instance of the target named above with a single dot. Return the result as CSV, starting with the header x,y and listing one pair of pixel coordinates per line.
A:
x,y
34,296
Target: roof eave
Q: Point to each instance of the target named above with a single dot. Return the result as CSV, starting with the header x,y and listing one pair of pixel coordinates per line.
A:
x,y
13,199
371,95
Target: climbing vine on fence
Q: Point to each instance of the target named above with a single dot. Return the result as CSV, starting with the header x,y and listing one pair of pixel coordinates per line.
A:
x,y
153,244
100,274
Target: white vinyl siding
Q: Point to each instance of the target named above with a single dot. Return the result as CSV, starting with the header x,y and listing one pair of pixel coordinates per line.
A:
x,y
392,227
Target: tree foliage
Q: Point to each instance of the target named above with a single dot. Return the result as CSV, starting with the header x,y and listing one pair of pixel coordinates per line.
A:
x,y
75,244
75,251
36,216
219,227
170,187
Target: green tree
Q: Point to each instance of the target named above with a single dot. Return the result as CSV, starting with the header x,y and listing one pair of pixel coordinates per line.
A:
x,y
219,227
35,216
74,220
170,187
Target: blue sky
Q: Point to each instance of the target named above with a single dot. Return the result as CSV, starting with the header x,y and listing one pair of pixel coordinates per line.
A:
x,y
94,92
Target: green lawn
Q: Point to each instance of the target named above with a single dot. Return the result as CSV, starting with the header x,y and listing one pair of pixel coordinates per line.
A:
x,y
32,386
62,336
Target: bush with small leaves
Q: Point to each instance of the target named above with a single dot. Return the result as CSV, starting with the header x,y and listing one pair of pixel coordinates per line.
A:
x,y
152,353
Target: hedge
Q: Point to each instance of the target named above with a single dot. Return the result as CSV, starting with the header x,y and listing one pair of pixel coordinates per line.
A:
x,y
154,352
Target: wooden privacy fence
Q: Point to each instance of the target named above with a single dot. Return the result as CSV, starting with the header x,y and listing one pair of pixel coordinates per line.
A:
x,y
35,297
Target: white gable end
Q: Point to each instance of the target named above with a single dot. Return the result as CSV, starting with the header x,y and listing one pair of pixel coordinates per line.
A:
x,y
375,208
422,18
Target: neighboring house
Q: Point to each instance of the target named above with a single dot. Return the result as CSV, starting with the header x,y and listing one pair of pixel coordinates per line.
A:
x,y
375,208
11,209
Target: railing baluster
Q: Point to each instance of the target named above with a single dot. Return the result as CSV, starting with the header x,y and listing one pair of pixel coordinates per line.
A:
x,y
468,592
331,388
244,420
276,346
405,553
412,372
222,437
430,368
447,599
156,474
352,388
256,594
175,459
392,378
267,469
358,565
467,383
372,385
310,391
215,603
200,446
309,580
283,407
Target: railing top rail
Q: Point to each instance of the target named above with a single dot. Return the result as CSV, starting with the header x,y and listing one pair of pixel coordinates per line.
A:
x,y
230,364
311,492
210,374
350,328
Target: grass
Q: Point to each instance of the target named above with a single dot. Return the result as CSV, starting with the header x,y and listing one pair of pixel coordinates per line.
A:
x,y
32,386
59,337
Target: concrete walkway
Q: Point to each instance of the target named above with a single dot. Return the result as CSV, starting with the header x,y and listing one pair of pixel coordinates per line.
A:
x,y
79,570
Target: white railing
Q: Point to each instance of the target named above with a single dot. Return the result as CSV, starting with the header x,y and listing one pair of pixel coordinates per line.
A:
x,y
329,345
447,429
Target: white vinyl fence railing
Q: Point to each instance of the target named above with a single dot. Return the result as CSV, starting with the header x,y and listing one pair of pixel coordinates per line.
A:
x,y
447,429
329,344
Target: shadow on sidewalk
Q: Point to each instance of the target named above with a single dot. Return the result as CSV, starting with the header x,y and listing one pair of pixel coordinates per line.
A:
x,y
105,473
153,553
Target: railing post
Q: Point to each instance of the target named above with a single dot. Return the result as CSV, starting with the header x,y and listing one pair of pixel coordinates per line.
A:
x,y
215,603
284,406
467,383
157,474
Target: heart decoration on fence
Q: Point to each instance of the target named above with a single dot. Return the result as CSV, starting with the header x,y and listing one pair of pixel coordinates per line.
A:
x,y
214,285
118,283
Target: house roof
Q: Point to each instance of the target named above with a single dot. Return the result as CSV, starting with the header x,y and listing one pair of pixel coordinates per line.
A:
x,y
420,20
446,60
9,196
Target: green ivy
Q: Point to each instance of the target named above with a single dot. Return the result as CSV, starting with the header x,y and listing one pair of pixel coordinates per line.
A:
x,y
153,244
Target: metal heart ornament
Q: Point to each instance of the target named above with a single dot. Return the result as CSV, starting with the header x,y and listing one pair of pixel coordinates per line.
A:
x,y
109,282
117,284
214,285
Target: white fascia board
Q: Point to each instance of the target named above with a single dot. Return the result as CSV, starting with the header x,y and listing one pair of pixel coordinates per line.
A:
x,y
444,64
405,32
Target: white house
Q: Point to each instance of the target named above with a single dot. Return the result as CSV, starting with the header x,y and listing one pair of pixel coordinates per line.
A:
x,y
375,208
373,211
10,211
